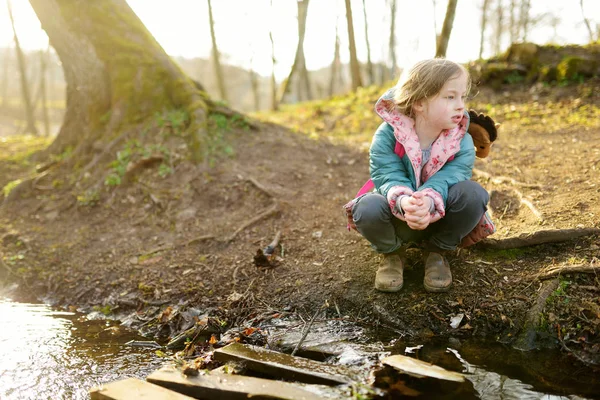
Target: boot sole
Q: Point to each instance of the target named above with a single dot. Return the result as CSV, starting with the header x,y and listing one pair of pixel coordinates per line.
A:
x,y
390,290
437,289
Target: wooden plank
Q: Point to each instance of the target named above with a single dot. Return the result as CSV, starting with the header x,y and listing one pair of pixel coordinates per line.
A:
x,y
132,388
285,366
230,387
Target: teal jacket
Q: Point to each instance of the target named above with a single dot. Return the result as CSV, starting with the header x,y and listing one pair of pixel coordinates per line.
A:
x,y
396,166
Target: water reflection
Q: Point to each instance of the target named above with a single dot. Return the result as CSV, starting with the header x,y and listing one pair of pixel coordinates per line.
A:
x,y
47,354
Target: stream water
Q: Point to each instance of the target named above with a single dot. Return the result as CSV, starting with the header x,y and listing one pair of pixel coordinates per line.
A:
x,y
50,354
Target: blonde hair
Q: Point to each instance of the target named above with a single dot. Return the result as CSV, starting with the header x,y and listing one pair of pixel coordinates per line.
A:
x,y
424,80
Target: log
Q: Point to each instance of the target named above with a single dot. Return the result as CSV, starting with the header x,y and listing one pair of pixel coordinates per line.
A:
x,y
132,388
535,238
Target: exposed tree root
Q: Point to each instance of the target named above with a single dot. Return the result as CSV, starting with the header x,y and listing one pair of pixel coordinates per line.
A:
x,y
274,209
539,237
568,269
502,179
260,186
177,245
529,204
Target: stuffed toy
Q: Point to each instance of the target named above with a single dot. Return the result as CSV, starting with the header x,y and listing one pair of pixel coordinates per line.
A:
x,y
484,132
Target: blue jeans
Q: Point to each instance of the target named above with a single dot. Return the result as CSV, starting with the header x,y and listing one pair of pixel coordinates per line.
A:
x,y
466,204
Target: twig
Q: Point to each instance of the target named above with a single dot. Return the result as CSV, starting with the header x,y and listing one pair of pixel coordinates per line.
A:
x,y
539,237
305,332
268,212
501,179
567,269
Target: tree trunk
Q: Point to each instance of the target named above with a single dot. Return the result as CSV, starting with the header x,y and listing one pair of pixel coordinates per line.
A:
x,y
336,64
255,93
30,128
43,89
524,19
299,61
435,29
484,8
499,28
587,22
119,74
512,23
354,66
446,29
6,55
216,56
370,71
393,41
274,104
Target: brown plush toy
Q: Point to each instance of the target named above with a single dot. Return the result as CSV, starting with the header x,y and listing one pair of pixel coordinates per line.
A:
x,y
484,132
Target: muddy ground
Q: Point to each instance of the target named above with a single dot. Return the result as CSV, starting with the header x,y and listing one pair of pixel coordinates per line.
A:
x,y
188,239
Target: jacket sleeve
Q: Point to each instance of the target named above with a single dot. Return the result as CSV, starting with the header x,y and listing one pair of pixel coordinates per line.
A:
x,y
388,172
456,170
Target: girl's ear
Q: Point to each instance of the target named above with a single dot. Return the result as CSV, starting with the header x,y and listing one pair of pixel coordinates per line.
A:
x,y
419,105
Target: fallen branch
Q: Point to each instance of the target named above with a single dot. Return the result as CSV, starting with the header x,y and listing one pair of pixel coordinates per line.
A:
x,y
268,212
568,269
502,179
539,237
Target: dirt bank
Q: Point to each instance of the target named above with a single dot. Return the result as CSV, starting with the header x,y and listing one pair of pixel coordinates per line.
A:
x,y
188,239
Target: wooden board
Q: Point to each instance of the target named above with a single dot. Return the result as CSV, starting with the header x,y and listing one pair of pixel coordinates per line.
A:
x,y
133,389
226,387
285,366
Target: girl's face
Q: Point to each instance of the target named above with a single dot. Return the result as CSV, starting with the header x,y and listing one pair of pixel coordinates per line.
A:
x,y
445,110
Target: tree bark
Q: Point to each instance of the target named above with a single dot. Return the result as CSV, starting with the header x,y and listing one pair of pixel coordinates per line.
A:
x,y
354,66
393,40
370,71
299,60
446,29
216,55
30,118
484,8
119,74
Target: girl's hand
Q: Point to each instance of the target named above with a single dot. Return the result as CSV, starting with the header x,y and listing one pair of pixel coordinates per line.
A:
x,y
416,210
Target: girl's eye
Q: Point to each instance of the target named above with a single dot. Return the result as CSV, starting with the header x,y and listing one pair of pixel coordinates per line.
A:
x,y
450,97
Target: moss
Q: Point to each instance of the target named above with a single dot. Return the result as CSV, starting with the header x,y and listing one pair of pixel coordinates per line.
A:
x,y
569,67
508,254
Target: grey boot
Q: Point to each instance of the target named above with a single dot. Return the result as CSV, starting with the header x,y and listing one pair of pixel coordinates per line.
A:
x,y
389,275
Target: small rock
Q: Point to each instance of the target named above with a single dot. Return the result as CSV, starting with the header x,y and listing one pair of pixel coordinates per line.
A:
x,y
133,260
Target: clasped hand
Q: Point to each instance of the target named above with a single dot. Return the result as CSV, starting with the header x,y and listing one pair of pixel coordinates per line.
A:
x,y
416,210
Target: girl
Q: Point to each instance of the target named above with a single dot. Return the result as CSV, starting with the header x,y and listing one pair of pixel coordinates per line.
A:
x,y
421,161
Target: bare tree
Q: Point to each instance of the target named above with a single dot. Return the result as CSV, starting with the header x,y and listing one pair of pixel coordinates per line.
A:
x,y
512,29
393,39
336,64
499,27
524,19
43,89
274,104
446,29
354,66
370,71
435,29
484,9
586,21
216,55
30,127
299,60
5,80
